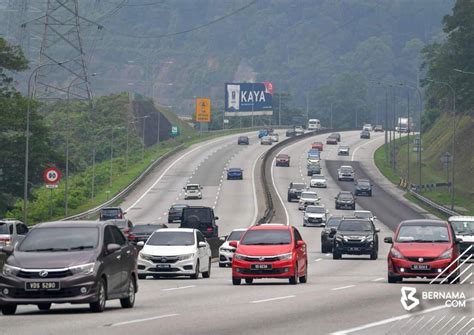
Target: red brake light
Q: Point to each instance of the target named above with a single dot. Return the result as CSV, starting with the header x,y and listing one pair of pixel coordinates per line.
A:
x,y
209,229
131,237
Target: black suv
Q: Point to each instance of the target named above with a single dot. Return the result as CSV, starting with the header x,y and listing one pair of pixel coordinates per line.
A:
x,y
365,134
79,262
294,191
345,200
111,213
355,237
363,187
290,133
200,218
243,140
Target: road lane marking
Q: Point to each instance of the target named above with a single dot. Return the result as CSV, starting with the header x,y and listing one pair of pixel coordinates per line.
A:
x,y
178,288
319,259
278,193
342,288
141,320
254,189
361,145
378,279
272,299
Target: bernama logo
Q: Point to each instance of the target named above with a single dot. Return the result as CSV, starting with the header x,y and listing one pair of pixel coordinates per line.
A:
x,y
451,299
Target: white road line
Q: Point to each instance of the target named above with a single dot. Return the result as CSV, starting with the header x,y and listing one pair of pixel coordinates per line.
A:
x,y
178,288
465,279
272,299
378,279
319,259
142,320
278,193
361,145
342,288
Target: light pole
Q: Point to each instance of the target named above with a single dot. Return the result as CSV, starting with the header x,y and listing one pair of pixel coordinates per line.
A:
x,y
112,153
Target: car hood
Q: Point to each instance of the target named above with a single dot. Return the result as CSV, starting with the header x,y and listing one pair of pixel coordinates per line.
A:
x,y
50,260
422,249
164,250
354,233
263,250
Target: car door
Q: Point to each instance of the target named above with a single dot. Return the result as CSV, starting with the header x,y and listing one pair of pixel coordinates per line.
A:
x,y
21,231
126,258
202,252
112,263
300,251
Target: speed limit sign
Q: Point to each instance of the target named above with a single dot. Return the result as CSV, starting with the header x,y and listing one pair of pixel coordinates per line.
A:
x,y
51,176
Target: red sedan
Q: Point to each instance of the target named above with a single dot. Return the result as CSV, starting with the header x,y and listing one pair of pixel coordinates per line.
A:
x,y
270,251
317,145
423,248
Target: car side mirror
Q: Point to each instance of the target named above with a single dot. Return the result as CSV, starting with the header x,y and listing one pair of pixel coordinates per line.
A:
x,y
201,187
124,213
141,244
202,244
233,244
335,198
300,243
216,218
377,230
375,218
223,238
184,188
112,247
8,250
388,240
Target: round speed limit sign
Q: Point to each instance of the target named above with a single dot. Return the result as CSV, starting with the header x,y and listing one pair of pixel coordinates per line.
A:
x,y
51,175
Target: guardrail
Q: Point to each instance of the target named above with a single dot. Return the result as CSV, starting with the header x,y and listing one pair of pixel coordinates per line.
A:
x,y
432,204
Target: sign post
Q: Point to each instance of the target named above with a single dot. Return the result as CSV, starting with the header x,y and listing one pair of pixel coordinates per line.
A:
x,y
203,111
51,177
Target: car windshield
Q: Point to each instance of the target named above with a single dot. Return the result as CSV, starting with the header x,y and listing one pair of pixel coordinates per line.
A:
x,y
309,195
172,238
363,215
354,225
178,207
315,209
197,215
192,187
60,239
463,227
423,233
110,213
363,183
319,178
236,235
266,237
146,228
5,228
333,222
345,196
299,186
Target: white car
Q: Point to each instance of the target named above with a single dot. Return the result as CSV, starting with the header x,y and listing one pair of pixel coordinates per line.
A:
x,y
226,252
299,131
266,140
464,229
174,252
318,181
360,214
343,150
192,191
314,160
315,216
345,172
367,127
308,198
274,137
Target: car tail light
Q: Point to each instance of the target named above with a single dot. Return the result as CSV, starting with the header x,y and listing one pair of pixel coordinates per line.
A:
x,y
131,237
120,216
209,229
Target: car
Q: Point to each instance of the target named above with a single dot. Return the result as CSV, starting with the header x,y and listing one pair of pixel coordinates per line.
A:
x,y
270,251
318,181
266,140
111,213
423,248
337,136
313,159
343,150
367,127
363,214
294,191
124,225
378,128
313,169
308,198
12,231
274,137
235,173
345,172
314,152
317,145
315,215
331,140
175,252
175,212
345,200
282,160
464,229
78,262
365,134
192,191
327,234
141,232
290,133
355,237
201,218
363,187
243,140
226,252
299,130
262,133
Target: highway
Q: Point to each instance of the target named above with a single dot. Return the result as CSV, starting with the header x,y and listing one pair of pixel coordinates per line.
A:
x,y
348,296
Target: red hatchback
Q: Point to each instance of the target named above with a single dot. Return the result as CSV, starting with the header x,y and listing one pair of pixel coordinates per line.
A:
x,y
270,251
423,248
317,145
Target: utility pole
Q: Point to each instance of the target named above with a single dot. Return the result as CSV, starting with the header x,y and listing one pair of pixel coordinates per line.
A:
x,y
307,107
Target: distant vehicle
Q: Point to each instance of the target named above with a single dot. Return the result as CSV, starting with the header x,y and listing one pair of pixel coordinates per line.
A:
x,y
124,225
313,169
362,214
243,140
337,136
294,191
314,124
363,187
308,198
318,181
313,159
345,172
299,130
315,215
331,140
111,213
270,251
290,133
464,229
343,150
175,252
367,127
266,140
262,133
274,137
201,218
355,237
345,200
141,232
226,252
235,173
378,128
365,134
314,152
327,234
56,259
423,248
12,231
317,145
192,191
175,212
269,130
282,160
404,125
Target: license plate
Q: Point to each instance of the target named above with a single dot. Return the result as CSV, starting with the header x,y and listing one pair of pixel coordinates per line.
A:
x,y
421,267
261,266
163,266
40,286
354,249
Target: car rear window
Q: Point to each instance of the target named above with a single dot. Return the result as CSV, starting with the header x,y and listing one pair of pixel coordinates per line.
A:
x,y
5,228
463,227
423,233
299,186
197,215
173,238
60,239
354,225
266,237
192,187
120,223
109,213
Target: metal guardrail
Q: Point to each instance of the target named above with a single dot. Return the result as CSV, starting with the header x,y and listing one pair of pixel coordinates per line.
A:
x,y
432,204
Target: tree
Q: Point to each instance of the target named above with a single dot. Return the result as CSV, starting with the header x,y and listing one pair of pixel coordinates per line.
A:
x,y
11,60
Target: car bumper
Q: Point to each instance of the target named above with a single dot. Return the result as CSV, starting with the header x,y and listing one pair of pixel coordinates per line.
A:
x,y
185,267
345,205
280,269
193,196
354,248
351,178
229,177
403,268
363,192
312,223
319,185
282,163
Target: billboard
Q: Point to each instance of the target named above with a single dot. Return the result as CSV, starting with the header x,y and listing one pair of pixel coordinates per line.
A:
x,y
243,99
203,110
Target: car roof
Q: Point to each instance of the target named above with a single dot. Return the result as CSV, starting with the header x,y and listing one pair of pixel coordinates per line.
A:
x,y
318,176
312,192
345,192
270,226
363,180
318,206
362,211
180,205
71,224
461,218
282,155
235,168
192,184
346,167
184,230
239,229
118,208
423,222
343,147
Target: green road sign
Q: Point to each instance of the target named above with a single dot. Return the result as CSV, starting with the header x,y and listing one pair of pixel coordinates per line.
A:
x,y
174,130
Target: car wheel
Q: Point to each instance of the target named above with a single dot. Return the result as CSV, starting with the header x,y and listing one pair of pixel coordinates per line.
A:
x,y
374,255
303,279
8,309
44,307
336,255
394,279
140,276
236,281
207,273
196,273
248,280
337,207
129,301
294,280
99,305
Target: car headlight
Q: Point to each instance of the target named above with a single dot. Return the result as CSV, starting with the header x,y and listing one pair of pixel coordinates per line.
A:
x,y
83,268
338,237
185,257
369,238
287,256
239,256
143,256
226,250
395,253
9,270
447,254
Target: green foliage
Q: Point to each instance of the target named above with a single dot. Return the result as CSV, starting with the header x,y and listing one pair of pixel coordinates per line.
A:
x,y
12,60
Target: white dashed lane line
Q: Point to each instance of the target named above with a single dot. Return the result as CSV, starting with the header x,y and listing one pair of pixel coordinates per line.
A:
x,y
378,279
141,320
342,288
272,299
178,288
